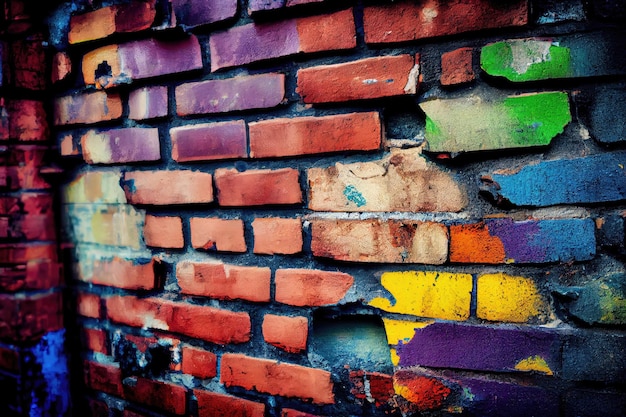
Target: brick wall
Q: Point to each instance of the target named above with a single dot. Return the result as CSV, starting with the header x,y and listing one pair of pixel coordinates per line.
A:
x,y
333,208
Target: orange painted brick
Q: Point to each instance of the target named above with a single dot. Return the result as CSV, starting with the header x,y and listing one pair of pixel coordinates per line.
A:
x,y
310,287
88,305
161,395
464,248
457,66
87,108
103,377
222,235
224,282
199,362
130,274
98,24
276,235
407,20
95,340
383,76
257,187
207,323
312,135
287,333
211,404
163,232
271,377
168,187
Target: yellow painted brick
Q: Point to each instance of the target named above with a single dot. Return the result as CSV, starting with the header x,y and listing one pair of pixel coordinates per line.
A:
x,y
438,295
502,297
95,187
402,330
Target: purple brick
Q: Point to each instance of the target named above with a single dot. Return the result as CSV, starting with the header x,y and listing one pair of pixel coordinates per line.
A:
x,y
491,398
116,146
262,5
193,13
256,42
451,345
209,141
239,93
148,103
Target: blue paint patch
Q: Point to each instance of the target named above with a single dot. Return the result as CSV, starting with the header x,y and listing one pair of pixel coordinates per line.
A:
x,y
592,179
354,195
53,397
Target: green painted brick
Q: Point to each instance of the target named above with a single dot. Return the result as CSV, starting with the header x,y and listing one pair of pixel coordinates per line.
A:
x,y
477,123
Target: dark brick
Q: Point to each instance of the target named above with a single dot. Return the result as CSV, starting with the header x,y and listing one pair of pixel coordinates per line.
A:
x,y
595,356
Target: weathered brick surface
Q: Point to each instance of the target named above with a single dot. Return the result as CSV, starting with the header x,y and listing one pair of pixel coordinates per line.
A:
x,y
275,378
312,135
209,141
27,120
231,94
121,145
211,404
148,103
103,377
87,108
140,59
222,235
95,340
288,333
164,232
277,236
199,362
88,305
257,187
264,5
390,241
168,187
217,280
305,287
191,13
405,20
367,78
161,395
457,66
134,274
255,42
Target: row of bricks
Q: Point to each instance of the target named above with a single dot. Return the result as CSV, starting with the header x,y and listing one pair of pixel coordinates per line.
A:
x,y
499,297
368,240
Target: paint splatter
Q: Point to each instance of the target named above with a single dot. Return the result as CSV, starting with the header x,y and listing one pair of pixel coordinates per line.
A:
x,y
354,195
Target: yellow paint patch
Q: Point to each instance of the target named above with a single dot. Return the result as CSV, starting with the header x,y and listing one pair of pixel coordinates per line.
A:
x,y
534,363
502,297
438,295
395,359
402,330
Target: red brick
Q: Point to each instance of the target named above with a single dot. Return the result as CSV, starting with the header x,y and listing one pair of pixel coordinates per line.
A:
x,y
61,67
21,253
32,227
141,59
163,232
26,318
28,59
199,362
289,412
156,394
9,359
277,235
231,94
287,333
104,377
192,13
207,323
148,103
375,240
98,24
98,408
128,413
407,20
224,282
211,404
130,274
383,76
87,108
209,141
457,66
117,146
312,135
310,287
88,305
35,275
28,120
271,377
168,187
95,340
68,147
257,187
222,235
253,42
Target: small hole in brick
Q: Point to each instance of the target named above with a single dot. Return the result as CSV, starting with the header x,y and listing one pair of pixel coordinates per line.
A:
x,y
103,74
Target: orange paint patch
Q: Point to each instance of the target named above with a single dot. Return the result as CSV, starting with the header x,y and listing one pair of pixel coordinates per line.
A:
x,y
472,243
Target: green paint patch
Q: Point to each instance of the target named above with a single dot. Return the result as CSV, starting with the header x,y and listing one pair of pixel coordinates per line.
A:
x,y
354,195
484,122
526,60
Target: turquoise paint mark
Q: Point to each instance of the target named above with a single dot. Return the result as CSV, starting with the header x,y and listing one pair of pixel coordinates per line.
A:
x,y
354,195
